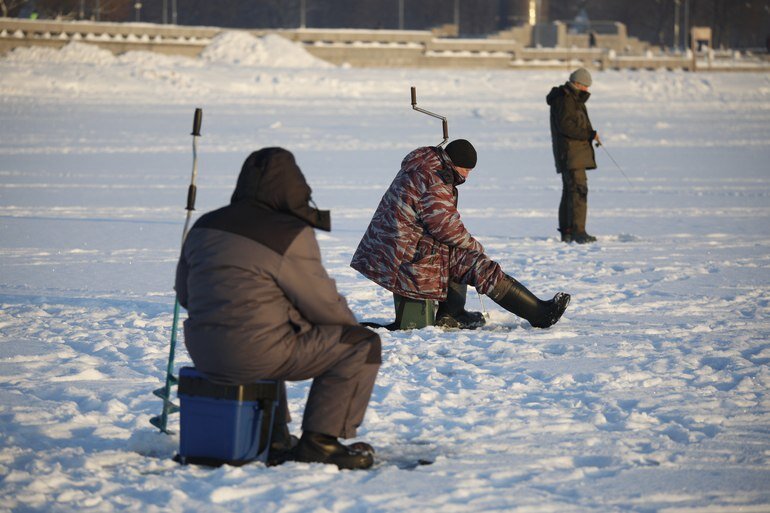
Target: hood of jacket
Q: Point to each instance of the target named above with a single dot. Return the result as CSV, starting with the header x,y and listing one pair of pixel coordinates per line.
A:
x,y
447,171
433,159
271,179
567,89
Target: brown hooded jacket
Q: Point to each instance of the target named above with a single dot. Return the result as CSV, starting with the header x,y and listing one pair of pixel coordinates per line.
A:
x,y
251,278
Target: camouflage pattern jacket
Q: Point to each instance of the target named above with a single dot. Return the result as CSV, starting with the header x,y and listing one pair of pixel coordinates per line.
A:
x,y
407,245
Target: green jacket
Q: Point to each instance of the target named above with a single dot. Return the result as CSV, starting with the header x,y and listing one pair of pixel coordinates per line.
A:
x,y
571,130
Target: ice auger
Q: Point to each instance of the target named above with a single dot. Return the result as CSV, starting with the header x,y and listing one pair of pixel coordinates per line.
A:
x,y
161,421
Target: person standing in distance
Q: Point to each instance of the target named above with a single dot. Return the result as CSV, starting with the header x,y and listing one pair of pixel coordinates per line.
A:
x,y
572,136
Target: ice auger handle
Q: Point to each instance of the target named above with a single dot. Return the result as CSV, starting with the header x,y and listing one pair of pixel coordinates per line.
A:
x,y
192,190
444,123
197,122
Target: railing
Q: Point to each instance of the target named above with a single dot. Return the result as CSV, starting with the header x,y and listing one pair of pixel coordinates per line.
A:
x,y
361,48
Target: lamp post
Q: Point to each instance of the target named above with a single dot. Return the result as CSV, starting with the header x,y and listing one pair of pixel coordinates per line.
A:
x,y
138,7
457,17
677,3
534,10
400,14
302,14
686,24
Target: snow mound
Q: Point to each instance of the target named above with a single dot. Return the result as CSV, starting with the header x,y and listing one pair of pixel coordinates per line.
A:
x,y
146,59
236,47
72,53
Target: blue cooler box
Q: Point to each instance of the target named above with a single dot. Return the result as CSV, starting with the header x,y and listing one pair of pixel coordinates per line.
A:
x,y
221,424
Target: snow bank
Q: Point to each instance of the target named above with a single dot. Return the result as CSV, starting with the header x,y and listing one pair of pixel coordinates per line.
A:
x,y
72,53
157,60
230,47
235,47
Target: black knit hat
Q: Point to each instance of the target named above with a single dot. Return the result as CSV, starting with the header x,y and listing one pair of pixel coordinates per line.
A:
x,y
462,153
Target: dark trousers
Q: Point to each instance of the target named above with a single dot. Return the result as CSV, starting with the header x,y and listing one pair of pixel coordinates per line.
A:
x,y
343,372
573,208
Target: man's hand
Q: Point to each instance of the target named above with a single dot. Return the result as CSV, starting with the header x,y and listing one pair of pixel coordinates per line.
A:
x,y
598,141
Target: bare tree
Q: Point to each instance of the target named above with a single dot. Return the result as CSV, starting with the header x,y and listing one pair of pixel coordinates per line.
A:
x,y
116,10
10,6
59,9
112,10
721,22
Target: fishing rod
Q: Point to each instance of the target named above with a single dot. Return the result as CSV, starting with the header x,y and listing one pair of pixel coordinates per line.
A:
x,y
598,144
161,421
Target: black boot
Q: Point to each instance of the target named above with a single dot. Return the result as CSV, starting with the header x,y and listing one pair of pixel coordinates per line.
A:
x,y
452,313
514,297
282,445
583,238
320,448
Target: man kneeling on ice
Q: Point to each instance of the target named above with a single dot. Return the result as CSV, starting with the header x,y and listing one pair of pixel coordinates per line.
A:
x,y
261,306
416,245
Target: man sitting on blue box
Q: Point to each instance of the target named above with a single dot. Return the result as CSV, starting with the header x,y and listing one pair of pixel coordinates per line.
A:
x,y
261,306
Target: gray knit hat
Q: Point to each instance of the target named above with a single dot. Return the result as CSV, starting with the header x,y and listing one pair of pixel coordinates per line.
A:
x,y
581,76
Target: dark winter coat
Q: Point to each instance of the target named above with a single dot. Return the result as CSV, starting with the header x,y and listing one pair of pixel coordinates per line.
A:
x,y
571,130
251,278
406,247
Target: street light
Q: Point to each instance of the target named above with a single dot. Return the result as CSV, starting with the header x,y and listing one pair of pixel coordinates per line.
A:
x,y
677,3
457,17
686,23
400,14
535,9
138,7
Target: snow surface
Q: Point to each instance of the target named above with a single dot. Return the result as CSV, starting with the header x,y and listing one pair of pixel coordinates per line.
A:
x,y
651,395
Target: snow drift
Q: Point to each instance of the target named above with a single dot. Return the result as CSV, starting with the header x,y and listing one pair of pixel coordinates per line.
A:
x,y
235,47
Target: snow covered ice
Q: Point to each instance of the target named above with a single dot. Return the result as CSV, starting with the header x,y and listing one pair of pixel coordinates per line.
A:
x,y
651,394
